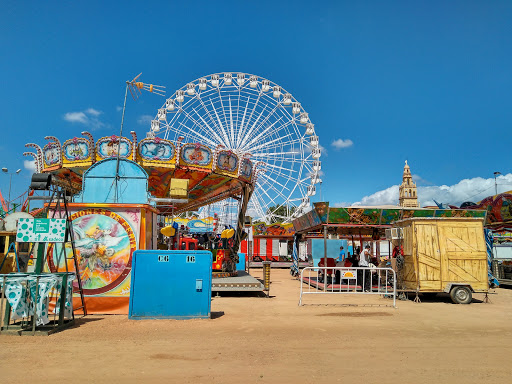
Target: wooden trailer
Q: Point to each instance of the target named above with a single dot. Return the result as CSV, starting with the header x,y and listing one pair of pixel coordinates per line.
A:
x,y
444,255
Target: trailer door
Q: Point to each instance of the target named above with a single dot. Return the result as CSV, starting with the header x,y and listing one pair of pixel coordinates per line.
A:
x,y
464,254
428,256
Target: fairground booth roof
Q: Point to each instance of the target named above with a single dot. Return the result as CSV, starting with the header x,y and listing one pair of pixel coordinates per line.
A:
x,y
213,174
369,221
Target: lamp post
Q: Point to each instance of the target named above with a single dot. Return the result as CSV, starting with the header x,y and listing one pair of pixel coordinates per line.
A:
x,y
495,184
10,183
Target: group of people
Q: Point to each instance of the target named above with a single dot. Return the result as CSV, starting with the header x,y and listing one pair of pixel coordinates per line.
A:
x,y
359,259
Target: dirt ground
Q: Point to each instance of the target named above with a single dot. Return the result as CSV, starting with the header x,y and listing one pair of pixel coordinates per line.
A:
x,y
273,340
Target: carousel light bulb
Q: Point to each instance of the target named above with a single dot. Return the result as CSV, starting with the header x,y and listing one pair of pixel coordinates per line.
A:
x,y
215,80
253,81
169,104
180,96
240,78
287,99
202,84
295,108
265,85
303,118
228,78
155,125
191,88
310,128
277,91
162,112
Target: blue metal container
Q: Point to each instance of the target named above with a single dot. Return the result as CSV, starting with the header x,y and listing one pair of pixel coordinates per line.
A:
x,y
170,284
242,258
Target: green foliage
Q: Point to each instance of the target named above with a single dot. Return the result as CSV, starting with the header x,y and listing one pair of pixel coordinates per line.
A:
x,y
279,210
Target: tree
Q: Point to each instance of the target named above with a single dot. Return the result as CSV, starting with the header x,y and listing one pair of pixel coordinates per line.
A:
x,y
279,210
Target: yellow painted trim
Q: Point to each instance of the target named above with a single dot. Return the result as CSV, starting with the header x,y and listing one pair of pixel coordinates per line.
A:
x,y
142,235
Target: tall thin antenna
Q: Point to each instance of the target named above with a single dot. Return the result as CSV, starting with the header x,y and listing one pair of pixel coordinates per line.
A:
x,y
134,86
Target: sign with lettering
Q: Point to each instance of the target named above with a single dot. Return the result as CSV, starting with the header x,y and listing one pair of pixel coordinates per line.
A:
x,y
41,230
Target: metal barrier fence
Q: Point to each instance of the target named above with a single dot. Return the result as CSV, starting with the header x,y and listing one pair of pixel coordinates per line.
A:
x,y
348,280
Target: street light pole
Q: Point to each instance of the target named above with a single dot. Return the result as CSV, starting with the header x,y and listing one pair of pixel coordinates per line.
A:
x,y
495,183
10,184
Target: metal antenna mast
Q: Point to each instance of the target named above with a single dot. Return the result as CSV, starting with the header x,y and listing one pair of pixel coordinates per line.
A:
x,y
134,87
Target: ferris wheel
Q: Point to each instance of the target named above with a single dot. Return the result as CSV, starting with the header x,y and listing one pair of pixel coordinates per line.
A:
x,y
250,115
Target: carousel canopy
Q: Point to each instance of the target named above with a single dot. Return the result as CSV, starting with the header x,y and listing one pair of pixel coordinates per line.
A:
x,y
211,174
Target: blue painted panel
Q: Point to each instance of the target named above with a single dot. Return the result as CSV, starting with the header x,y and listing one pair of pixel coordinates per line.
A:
x,y
99,183
333,249
170,284
242,257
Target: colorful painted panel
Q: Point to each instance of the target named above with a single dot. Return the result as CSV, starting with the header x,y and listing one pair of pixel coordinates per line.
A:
x,y
76,152
498,206
246,170
196,155
227,163
156,150
51,155
104,243
207,185
107,147
389,216
276,229
322,210
158,181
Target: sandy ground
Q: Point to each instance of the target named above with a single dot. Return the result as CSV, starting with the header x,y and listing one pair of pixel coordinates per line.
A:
x,y
273,340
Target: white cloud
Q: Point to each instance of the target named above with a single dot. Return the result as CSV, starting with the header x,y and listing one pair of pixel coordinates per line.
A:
x,y
145,119
388,196
88,118
76,117
473,190
340,143
30,165
93,112
119,109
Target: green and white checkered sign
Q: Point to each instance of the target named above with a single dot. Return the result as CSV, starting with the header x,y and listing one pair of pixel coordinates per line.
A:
x,y
41,230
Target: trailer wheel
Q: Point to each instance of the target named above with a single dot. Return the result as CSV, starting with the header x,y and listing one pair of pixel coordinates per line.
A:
x,y
461,295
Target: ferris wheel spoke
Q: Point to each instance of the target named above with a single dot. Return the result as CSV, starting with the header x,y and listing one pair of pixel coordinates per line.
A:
x,y
198,134
263,132
269,132
223,109
273,184
242,144
212,131
226,140
209,116
271,200
232,127
240,129
267,119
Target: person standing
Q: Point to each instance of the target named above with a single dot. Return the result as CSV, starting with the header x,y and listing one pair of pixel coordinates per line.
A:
x,y
341,258
365,275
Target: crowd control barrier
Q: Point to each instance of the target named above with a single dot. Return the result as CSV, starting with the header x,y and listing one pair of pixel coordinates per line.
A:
x,y
348,280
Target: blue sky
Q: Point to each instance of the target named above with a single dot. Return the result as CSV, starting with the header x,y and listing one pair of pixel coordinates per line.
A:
x,y
429,81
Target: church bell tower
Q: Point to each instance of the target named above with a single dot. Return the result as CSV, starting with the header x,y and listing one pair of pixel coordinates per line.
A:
x,y
408,194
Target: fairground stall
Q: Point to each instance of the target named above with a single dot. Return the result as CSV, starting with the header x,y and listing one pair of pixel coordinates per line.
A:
x,y
121,188
371,226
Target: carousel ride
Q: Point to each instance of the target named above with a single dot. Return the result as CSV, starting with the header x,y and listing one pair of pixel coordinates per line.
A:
x,y
225,140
